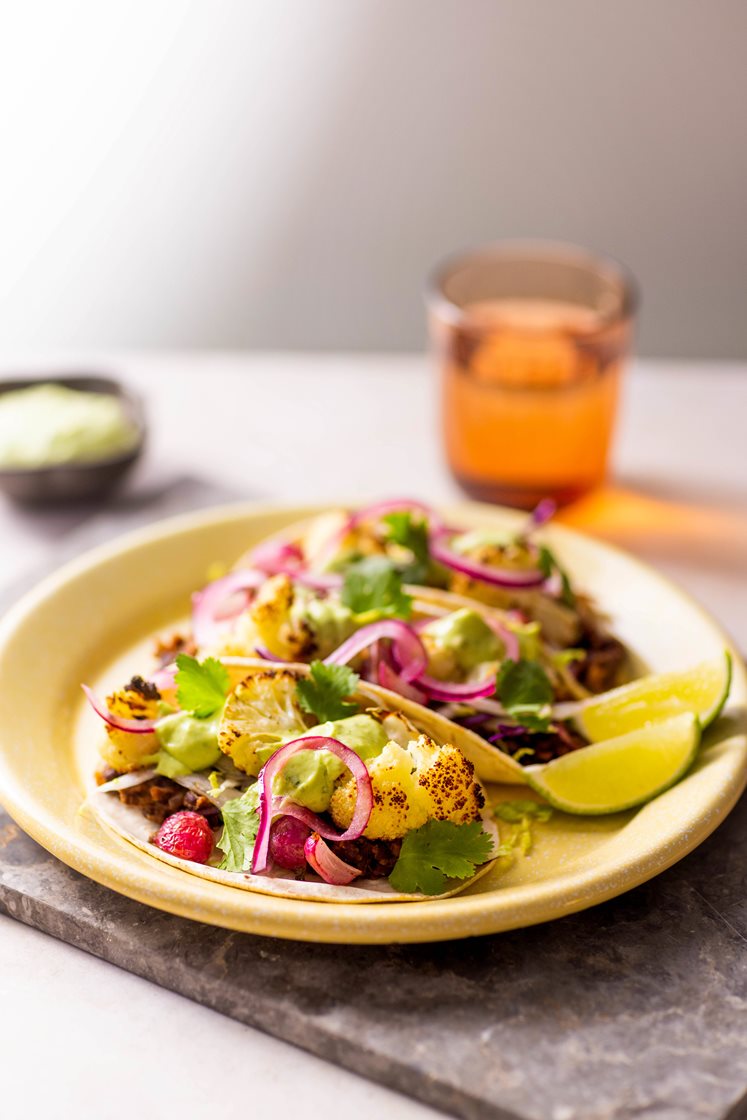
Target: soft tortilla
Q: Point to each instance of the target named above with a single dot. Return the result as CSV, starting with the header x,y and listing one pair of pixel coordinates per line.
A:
x,y
129,823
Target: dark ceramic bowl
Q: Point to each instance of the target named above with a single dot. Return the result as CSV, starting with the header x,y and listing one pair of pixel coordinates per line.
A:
x,y
74,482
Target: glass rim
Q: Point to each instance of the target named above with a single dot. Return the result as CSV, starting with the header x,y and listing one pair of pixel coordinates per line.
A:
x,y
538,249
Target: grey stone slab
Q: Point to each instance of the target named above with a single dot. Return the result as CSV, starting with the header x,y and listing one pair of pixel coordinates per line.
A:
x,y
637,1008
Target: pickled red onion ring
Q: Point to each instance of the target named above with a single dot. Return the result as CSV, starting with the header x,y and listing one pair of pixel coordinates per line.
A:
x,y
456,693
409,678
327,865
498,577
163,678
396,505
208,604
267,655
409,650
388,678
277,557
284,558
271,806
132,726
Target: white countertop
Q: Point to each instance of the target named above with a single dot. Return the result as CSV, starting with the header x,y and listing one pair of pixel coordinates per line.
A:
x,y
311,428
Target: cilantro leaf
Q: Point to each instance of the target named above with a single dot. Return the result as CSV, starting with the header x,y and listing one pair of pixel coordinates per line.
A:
x,y
437,852
525,691
373,586
323,695
524,683
547,564
413,535
531,719
201,687
240,826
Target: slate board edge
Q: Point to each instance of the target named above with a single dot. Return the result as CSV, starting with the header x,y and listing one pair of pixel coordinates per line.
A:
x,y
264,1016
739,1110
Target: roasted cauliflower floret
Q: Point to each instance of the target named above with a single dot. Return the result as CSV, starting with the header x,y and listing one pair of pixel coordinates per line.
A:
x,y
267,622
124,750
291,621
560,624
326,544
411,786
260,713
273,618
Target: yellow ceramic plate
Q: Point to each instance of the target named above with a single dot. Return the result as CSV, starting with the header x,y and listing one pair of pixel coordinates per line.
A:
x,y
93,621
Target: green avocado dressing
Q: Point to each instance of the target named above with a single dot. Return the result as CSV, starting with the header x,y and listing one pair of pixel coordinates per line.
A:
x,y
48,424
309,777
187,743
329,620
466,637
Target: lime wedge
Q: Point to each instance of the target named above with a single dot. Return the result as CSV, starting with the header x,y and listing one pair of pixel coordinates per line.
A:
x,y
622,772
702,691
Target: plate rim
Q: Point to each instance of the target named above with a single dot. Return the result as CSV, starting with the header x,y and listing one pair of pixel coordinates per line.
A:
x,y
460,916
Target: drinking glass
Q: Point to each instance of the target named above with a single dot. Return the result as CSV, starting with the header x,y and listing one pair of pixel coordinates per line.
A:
x,y
530,339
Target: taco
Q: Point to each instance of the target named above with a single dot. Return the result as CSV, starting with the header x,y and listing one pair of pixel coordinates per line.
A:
x,y
513,572
433,648
344,588
292,780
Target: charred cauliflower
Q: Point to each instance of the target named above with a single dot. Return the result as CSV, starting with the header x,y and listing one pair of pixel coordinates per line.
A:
x,y
124,750
329,541
267,622
259,715
560,624
411,786
291,622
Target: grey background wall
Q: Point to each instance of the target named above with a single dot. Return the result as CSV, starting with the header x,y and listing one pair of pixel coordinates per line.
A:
x,y
281,173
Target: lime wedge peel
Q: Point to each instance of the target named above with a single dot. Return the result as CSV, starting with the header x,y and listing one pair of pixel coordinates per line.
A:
x,y
620,773
701,691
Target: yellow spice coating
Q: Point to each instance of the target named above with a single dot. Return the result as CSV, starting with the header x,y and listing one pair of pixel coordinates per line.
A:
x,y
268,622
560,624
124,750
260,712
411,786
324,540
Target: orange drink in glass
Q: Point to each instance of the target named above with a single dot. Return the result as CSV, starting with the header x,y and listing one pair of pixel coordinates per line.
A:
x,y
530,340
